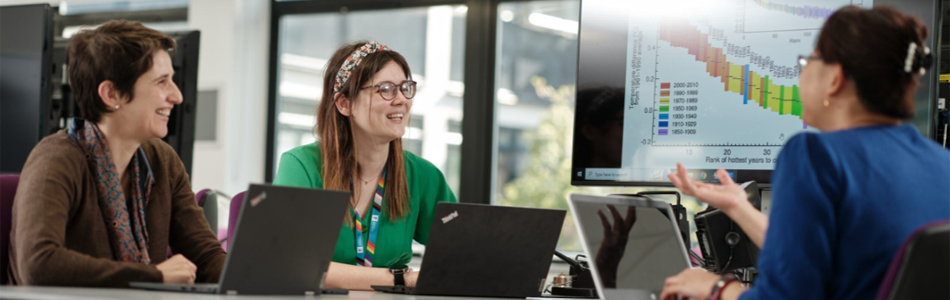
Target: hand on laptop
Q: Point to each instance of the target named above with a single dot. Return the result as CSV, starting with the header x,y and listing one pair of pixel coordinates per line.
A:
x,y
691,283
177,269
614,243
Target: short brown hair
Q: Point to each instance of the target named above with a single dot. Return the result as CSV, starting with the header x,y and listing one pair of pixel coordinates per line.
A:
x,y
337,145
871,46
119,51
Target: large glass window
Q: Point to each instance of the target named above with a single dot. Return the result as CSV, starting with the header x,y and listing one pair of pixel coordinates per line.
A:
x,y
534,93
432,40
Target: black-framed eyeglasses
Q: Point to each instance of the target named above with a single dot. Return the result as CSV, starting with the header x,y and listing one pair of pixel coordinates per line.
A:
x,y
387,89
803,59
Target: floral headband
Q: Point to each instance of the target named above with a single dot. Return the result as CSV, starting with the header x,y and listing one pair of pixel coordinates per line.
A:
x,y
354,60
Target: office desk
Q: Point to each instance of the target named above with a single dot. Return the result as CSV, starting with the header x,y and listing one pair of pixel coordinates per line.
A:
x,y
57,293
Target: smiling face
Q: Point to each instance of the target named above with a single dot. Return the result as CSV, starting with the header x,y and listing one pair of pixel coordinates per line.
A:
x,y
377,118
155,94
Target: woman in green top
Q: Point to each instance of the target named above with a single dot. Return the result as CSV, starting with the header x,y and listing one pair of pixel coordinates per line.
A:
x,y
394,192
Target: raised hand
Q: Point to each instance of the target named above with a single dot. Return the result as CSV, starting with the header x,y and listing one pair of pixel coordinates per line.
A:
x,y
724,196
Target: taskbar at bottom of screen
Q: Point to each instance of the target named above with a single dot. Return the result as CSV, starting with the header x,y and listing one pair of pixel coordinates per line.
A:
x,y
639,174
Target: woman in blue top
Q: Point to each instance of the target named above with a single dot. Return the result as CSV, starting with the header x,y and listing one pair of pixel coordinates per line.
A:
x,y
844,200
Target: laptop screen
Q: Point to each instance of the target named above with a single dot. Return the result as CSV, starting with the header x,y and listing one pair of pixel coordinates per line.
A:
x,y
633,245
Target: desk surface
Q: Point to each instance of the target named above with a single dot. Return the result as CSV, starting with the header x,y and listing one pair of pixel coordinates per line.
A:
x,y
56,293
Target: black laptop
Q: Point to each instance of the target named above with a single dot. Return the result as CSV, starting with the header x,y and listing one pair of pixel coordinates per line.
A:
x,y
283,243
487,250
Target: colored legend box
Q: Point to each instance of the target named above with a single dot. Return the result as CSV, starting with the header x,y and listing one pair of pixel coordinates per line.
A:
x,y
664,100
664,124
665,85
664,108
662,132
664,116
664,93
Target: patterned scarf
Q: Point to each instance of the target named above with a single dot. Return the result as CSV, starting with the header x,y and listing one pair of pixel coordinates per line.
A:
x,y
127,234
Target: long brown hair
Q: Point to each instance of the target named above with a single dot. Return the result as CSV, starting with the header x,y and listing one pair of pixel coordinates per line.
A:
x,y
335,131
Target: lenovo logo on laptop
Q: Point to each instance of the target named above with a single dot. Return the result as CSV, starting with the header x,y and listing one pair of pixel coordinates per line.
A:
x,y
450,217
257,200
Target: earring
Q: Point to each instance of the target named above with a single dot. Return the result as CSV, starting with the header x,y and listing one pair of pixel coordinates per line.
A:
x,y
117,106
826,103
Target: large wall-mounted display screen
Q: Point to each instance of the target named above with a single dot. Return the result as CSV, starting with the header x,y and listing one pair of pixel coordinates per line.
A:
x,y
711,84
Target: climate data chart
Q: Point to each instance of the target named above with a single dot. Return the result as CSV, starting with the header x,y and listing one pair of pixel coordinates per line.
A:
x,y
717,87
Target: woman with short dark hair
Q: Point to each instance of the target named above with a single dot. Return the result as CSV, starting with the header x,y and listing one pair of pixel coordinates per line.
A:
x,y
100,203
845,199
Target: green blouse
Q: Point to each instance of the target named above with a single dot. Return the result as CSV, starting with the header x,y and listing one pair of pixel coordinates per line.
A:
x,y
301,167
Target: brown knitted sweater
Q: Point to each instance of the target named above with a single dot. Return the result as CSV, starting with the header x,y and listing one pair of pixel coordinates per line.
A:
x,y
59,237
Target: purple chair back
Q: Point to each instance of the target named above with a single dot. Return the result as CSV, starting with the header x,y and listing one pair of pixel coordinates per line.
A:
x,y
236,203
921,266
200,196
200,199
208,200
8,184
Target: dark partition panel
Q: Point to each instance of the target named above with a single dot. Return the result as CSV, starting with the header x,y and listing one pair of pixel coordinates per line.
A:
x,y
26,45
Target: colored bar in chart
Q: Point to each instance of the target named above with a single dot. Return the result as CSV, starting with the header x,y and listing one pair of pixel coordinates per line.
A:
x,y
664,93
664,116
662,132
664,108
787,105
734,82
781,97
745,85
775,99
664,124
664,100
796,102
665,85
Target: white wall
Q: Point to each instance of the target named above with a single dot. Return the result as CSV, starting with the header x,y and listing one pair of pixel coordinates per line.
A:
x,y
233,60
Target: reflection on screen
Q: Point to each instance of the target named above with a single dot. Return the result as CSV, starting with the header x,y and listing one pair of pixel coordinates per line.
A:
x,y
633,248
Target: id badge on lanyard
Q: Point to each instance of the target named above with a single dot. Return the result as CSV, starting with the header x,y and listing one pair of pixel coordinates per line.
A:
x,y
364,255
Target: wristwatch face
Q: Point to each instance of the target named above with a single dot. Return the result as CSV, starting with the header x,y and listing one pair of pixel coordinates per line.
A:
x,y
399,276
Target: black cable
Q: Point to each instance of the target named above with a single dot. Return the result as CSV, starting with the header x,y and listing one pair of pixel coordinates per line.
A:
x,y
732,247
568,260
728,261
